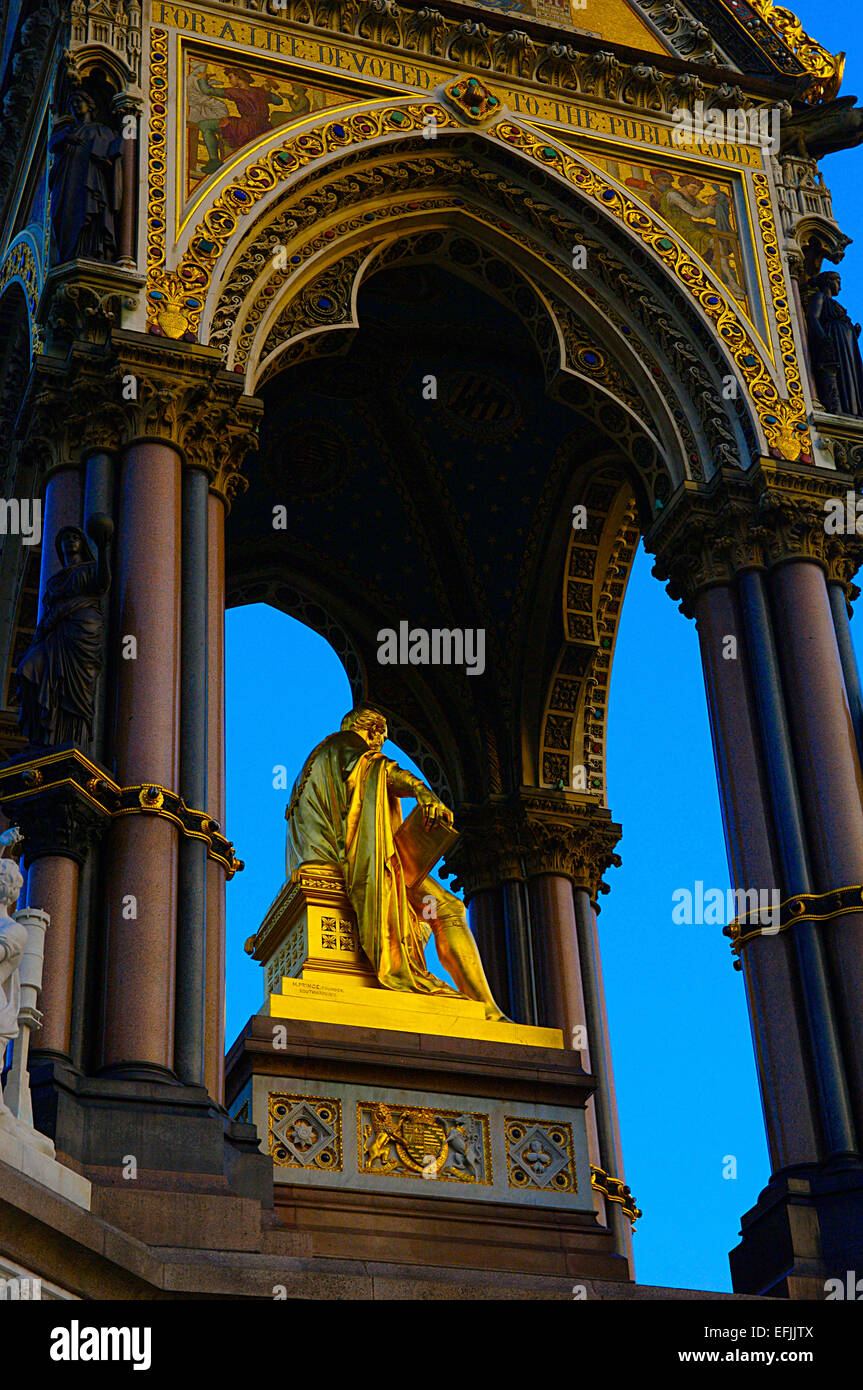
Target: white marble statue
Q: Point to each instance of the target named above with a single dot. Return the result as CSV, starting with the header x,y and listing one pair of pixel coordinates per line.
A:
x,y
13,943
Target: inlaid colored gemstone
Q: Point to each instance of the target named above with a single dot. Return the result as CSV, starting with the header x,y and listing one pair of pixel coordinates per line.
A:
x,y
608,194
591,358
158,82
295,260
156,223
192,303
205,247
748,360
325,303
397,117
713,299
665,243
780,303
339,130
770,419
158,108
368,217
474,110
239,195
283,157
548,153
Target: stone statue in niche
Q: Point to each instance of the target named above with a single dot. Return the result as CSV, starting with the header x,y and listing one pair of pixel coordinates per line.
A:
x,y
57,675
834,348
85,183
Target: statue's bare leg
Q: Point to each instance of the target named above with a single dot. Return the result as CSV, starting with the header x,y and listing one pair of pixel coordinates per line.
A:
x,y
456,947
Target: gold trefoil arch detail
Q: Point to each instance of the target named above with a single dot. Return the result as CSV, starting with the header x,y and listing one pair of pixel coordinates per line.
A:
x,y
175,299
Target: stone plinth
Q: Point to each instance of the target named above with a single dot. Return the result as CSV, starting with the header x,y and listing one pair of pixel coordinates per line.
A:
x,y
428,1149
316,971
310,932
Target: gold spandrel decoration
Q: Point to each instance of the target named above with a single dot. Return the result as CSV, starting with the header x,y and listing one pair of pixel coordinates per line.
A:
x,y
231,103
700,208
409,1141
540,1155
305,1131
175,299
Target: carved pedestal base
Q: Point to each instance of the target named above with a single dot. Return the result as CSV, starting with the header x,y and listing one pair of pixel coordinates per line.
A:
x,y
423,1149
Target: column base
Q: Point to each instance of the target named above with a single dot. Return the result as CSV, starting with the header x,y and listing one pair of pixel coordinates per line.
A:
x,y
177,1135
806,1228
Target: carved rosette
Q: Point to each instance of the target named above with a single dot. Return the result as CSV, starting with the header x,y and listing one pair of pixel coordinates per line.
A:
x,y
772,514
528,835
139,387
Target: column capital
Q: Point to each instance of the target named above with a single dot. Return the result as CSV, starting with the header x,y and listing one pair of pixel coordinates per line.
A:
x,y
530,833
772,513
135,387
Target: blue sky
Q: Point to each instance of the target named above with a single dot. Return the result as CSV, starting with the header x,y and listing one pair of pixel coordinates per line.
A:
x,y
685,1073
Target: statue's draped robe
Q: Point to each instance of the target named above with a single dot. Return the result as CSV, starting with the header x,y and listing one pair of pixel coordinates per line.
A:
x,y
836,349
82,190
342,812
58,673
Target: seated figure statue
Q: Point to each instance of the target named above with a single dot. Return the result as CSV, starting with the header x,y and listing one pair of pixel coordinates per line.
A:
x,y
345,810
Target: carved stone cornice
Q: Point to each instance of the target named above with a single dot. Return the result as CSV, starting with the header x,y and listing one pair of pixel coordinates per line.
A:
x,y
136,387
773,513
532,833
62,802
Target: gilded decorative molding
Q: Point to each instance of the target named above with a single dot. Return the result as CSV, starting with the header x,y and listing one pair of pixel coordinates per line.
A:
x,y
540,1154
21,267
410,1141
825,68
738,521
35,781
615,1191
175,299
803,907
305,1131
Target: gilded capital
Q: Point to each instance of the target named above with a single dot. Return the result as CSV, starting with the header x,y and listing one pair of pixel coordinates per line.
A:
x,y
533,833
773,513
135,386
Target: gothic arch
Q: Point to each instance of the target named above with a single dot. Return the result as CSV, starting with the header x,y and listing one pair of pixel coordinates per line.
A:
x,y
542,195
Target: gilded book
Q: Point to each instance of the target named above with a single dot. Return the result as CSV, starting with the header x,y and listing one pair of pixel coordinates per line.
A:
x,y
420,847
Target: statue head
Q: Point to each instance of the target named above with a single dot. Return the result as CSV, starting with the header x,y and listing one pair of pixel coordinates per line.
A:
x,y
83,106
830,282
369,723
11,883
72,546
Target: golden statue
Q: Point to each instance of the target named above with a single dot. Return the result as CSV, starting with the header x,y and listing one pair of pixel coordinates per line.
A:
x,y
345,810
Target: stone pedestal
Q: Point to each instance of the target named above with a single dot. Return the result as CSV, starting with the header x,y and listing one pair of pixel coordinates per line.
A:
x,y
409,1127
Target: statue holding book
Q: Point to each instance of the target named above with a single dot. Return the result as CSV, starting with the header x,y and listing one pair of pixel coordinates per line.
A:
x,y
345,810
